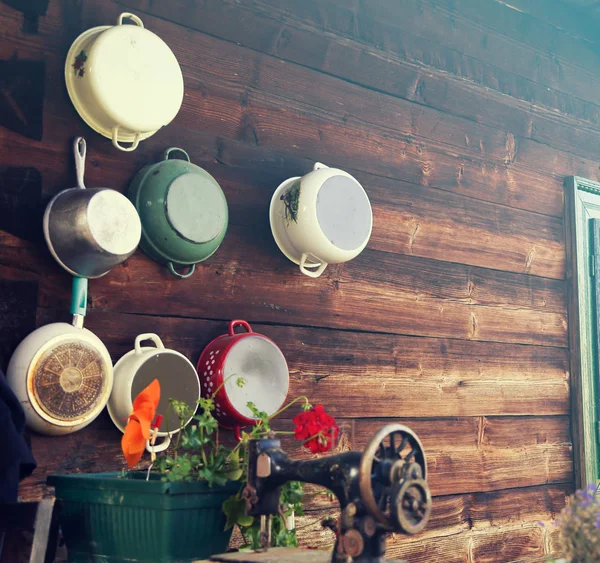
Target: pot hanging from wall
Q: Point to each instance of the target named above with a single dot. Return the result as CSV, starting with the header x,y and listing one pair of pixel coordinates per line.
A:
x,y
254,358
89,231
124,81
62,373
321,218
183,212
142,365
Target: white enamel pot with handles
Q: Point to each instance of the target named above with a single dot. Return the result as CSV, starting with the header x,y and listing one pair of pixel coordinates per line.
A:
x,y
137,369
321,218
124,81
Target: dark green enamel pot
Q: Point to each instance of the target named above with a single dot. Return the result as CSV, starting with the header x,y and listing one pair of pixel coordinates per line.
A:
x,y
183,212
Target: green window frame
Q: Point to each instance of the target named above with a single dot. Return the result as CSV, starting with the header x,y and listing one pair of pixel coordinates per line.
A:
x,y
582,229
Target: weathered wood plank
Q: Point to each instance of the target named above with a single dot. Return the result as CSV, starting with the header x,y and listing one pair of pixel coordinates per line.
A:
x,y
511,545
296,36
444,172
464,547
18,303
412,134
487,453
408,218
479,511
430,21
466,515
454,515
459,459
536,34
564,16
376,292
409,377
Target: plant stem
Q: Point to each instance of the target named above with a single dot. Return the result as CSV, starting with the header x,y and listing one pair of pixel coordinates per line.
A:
x,y
302,397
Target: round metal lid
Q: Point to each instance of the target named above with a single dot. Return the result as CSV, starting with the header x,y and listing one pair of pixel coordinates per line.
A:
x,y
68,380
135,77
114,222
196,207
344,212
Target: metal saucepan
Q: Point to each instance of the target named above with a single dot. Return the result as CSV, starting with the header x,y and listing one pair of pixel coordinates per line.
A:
x,y
62,373
89,231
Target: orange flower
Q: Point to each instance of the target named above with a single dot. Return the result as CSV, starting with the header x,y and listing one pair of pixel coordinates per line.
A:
x,y
137,430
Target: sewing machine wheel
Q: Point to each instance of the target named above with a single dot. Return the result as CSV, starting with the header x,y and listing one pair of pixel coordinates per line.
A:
x,y
412,506
393,456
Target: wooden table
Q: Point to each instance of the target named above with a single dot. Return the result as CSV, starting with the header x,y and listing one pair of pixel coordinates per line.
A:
x,y
278,555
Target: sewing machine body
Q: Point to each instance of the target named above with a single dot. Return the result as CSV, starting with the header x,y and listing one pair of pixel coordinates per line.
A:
x,y
380,490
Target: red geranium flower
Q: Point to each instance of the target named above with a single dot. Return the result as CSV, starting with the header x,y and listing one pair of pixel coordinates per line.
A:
x,y
316,429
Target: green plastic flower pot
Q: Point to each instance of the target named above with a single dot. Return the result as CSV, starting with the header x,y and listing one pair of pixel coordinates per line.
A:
x,y
116,518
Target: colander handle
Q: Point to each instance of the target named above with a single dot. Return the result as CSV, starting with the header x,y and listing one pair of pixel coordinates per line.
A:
x,y
235,323
79,300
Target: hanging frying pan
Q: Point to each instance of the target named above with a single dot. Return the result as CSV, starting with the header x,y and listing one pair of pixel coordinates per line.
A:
x,y
62,373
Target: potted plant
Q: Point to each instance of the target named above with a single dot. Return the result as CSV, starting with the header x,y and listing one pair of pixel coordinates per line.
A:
x,y
185,505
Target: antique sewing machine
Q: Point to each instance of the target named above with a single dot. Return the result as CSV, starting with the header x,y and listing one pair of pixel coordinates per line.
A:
x,y
380,490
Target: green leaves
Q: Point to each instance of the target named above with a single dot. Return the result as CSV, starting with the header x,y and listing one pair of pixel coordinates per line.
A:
x,y
262,418
235,511
292,494
197,455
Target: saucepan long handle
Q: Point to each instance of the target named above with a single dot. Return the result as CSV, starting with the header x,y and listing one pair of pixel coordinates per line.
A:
x,y
79,300
80,149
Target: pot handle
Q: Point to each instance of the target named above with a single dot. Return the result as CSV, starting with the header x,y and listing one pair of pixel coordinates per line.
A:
x,y
115,140
159,447
311,273
79,300
319,165
233,324
168,152
172,269
131,17
79,150
148,336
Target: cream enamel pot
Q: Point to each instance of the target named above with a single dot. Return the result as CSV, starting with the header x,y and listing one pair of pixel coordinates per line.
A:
x,y
138,368
62,373
124,81
254,358
321,218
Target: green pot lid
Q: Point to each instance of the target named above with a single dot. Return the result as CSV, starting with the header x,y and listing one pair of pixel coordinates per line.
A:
x,y
196,208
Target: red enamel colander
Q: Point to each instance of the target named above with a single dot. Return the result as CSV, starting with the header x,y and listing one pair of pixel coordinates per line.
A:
x,y
255,359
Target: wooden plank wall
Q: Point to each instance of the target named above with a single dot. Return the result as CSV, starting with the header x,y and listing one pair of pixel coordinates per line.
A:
x,y
460,118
